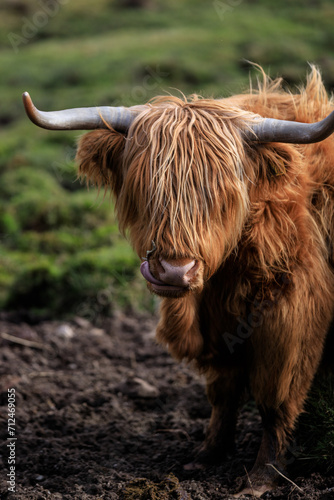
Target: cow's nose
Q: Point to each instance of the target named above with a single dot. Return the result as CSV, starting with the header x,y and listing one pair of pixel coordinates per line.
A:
x,y
178,272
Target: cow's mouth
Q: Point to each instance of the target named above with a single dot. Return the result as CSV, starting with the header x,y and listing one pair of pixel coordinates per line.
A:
x,y
157,285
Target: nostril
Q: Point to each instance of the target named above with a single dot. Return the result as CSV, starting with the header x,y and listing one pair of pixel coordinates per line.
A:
x,y
193,271
177,271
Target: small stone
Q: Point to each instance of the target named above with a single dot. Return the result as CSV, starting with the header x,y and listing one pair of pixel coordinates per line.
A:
x,y
97,332
82,322
138,388
65,331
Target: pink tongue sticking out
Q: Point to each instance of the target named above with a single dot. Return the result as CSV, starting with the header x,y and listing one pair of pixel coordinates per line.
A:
x,y
157,284
145,270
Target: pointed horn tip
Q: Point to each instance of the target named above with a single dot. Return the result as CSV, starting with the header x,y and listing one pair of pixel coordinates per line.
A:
x,y
31,111
28,104
26,98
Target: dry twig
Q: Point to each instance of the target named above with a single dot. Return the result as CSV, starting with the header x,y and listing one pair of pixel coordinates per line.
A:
x,y
25,342
280,473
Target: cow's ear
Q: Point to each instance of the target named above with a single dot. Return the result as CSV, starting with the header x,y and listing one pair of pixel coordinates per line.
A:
x,y
100,158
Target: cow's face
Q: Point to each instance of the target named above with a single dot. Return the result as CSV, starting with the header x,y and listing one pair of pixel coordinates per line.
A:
x,y
178,181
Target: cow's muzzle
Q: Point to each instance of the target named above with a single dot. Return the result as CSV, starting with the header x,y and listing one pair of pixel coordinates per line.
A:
x,y
164,276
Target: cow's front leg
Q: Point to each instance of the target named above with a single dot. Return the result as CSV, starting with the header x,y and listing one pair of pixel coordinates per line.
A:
x,y
269,464
223,391
287,353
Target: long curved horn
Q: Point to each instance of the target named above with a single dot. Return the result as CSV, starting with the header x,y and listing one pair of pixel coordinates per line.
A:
x,y
119,118
271,130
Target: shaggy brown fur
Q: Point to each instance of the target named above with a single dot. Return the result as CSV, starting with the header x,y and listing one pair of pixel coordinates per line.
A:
x,y
259,220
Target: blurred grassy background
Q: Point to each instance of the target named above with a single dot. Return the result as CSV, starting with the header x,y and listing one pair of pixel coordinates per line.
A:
x,y
60,250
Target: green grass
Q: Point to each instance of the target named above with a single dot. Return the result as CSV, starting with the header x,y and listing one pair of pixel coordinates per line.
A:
x,y
316,428
84,56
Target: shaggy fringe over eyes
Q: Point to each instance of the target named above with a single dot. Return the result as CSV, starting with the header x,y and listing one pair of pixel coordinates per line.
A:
x,y
185,175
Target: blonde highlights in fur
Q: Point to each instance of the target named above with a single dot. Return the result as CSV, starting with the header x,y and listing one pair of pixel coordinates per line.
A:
x,y
185,174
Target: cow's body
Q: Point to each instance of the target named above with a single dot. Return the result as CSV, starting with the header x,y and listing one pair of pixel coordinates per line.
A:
x,y
262,318
243,248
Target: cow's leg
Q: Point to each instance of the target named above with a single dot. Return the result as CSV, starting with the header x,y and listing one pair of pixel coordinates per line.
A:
x,y
269,463
287,353
223,391
278,424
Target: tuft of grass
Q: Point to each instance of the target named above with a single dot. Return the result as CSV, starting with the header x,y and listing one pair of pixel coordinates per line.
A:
x,y
144,489
315,436
90,282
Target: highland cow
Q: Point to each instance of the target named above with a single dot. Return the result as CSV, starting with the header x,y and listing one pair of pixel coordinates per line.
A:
x,y
232,202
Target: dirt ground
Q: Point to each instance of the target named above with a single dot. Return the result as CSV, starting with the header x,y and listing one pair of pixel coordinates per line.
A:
x,y
103,412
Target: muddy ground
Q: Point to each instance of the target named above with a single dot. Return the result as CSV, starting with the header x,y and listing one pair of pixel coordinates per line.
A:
x,y
103,412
